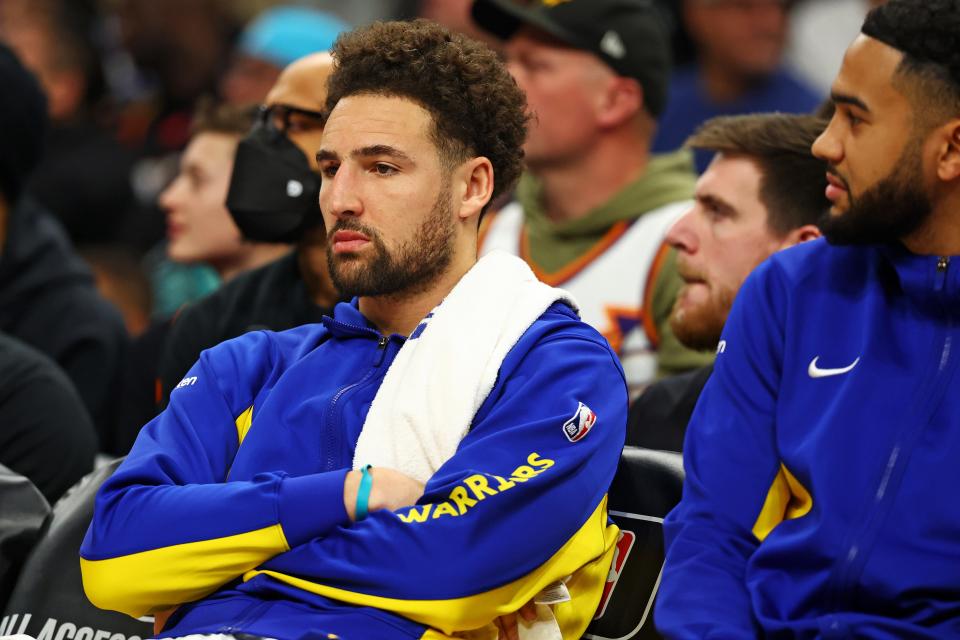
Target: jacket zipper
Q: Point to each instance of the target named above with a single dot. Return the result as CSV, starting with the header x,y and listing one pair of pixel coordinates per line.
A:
x,y
847,574
331,432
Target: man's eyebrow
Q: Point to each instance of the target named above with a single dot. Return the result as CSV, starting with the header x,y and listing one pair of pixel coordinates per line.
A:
x,y
717,203
843,98
326,154
382,150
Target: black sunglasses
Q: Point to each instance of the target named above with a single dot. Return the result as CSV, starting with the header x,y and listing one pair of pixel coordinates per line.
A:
x,y
283,117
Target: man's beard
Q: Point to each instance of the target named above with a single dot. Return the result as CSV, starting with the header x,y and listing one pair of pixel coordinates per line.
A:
x,y
699,327
411,269
890,210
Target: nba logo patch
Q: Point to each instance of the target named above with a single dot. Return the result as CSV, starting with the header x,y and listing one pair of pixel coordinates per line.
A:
x,y
580,423
624,545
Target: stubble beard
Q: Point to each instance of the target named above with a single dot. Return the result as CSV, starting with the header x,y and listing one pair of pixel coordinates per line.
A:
x,y
412,268
699,327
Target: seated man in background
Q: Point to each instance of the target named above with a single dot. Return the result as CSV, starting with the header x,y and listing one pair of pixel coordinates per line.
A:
x,y
199,226
291,291
762,192
199,230
739,69
592,210
821,458
47,295
45,431
249,503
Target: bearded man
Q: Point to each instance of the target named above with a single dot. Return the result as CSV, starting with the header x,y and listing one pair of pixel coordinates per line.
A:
x,y
762,192
821,457
492,417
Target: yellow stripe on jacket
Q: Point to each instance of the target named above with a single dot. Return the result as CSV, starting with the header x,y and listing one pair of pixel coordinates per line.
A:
x,y
177,574
586,557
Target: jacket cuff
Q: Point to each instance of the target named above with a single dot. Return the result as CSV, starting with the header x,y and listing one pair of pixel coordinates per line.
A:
x,y
310,506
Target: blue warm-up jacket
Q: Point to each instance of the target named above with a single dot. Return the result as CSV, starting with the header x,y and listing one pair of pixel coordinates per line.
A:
x,y
230,505
823,457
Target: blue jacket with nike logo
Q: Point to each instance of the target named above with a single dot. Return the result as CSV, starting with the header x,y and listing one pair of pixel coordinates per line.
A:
x,y
823,457
230,505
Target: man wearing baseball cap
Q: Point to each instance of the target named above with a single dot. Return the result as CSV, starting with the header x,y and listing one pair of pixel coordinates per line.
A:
x,y
593,209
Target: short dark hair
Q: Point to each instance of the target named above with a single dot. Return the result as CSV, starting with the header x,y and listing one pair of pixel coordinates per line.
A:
x,y
928,34
210,116
793,181
477,107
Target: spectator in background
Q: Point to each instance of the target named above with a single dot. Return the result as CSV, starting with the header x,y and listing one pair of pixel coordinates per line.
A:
x,y
592,212
180,48
271,41
296,289
199,227
84,176
739,69
762,192
201,230
47,295
45,431
820,31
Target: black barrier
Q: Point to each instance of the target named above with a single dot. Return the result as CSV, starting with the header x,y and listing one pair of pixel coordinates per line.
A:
x,y
648,484
48,602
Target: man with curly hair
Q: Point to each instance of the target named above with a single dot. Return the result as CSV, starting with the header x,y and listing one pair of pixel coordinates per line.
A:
x,y
821,457
431,458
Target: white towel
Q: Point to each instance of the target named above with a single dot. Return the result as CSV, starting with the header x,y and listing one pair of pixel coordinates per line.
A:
x,y
448,366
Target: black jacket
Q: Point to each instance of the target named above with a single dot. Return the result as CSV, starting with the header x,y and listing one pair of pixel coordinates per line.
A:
x,y
49,301
45,432
658,418
273,297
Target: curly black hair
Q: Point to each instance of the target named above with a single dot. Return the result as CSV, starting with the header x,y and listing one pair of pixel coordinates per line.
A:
x,y
928,34
477,107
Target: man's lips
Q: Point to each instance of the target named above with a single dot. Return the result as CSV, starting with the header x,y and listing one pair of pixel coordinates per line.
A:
x,y
174,229
836,188
348,241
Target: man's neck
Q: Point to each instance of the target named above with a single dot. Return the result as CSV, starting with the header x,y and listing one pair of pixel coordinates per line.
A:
x,y
401,313
940,233
572,190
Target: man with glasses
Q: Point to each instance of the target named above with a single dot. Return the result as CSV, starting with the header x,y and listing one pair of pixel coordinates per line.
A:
x,y
275,161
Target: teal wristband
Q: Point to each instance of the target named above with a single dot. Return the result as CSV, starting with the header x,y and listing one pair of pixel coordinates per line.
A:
x,y
363,493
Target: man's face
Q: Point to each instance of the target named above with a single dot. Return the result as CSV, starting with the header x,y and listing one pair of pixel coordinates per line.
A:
x,y
874,152
562,85
303,85
386,198
744,36
199,227
719,242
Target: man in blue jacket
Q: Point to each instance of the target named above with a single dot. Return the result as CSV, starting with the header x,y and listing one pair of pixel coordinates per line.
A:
x,y
821,458
247,506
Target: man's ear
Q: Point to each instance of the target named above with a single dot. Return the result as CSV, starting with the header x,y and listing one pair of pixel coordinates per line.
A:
x,y
800,234
475,180
620,101
948,151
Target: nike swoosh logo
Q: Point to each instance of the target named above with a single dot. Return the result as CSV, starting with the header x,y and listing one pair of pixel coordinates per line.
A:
x,y
816,372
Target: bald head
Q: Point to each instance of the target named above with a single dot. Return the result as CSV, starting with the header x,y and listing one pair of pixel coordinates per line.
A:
x,y
303,83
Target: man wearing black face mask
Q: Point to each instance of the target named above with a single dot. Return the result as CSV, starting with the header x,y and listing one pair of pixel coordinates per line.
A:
x,y
273,195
